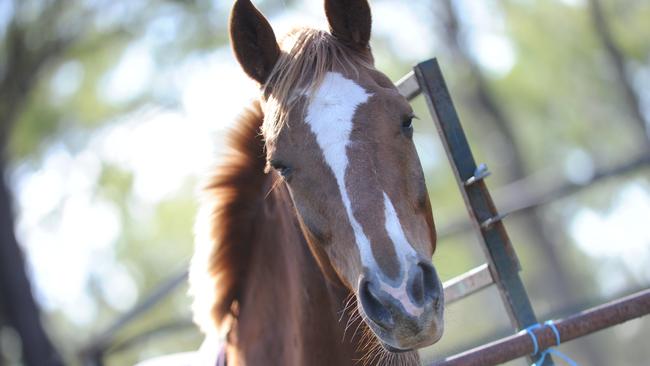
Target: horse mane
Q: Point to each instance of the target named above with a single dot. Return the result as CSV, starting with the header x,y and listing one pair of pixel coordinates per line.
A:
x,y
307,55
225,225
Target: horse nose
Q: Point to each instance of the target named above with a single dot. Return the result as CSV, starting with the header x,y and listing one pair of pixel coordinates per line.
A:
x,y
423,287
386,305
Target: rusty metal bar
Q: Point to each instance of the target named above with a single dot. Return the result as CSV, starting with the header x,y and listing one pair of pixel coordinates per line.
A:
x,y
468,283
575,326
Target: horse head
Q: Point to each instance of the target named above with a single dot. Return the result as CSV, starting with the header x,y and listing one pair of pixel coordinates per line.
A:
x,y
338,133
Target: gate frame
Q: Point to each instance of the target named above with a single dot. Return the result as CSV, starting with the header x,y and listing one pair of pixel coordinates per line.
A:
x,y
502,262
502,267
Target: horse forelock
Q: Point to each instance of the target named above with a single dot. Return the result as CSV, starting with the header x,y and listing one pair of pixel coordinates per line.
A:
x,y
307,56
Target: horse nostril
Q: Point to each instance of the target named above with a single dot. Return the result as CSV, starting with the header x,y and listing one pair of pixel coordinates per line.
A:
x,y
430,284
373,306
416,288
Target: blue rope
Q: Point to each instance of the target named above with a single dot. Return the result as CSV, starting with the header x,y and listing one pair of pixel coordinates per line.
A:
x,y
548,351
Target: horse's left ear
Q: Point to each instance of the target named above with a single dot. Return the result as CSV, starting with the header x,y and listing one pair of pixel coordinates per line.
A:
x,y
350,21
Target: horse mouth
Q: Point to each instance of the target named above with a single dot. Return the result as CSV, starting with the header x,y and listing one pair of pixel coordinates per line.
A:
x,y
392,349
391,344
408,334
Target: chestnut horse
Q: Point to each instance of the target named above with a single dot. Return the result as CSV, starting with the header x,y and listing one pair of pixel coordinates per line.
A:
x,y
318,223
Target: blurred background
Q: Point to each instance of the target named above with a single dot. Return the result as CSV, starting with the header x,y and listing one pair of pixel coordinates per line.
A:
x,y
112,111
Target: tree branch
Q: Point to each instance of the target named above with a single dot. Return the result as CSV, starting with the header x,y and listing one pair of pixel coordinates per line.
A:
x,y
617,59
539,189
24,64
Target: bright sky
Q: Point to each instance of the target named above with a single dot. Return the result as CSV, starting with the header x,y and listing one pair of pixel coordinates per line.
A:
x,y
163,148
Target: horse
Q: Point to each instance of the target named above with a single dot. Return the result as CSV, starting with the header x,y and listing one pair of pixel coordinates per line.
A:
x,y
316,229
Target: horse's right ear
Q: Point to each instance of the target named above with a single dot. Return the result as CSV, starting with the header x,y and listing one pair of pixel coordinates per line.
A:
x,y
253,40
350,21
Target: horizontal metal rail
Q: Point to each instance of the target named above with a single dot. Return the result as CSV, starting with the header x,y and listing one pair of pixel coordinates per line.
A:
x,y
408,86
468,283
575,326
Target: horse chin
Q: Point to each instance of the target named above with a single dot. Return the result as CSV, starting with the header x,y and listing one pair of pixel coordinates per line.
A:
x,y
410,348
389,342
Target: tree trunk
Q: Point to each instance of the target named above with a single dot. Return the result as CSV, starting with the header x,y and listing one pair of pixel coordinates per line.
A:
x,y
16,298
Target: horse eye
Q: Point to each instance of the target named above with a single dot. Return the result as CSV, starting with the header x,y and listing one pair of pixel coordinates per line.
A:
x,y
407,125
280,168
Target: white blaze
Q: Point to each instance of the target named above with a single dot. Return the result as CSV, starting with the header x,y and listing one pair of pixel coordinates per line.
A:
x,y
405,254
330,115
396,233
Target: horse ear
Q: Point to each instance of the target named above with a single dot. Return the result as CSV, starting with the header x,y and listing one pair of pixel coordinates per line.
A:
x,y
253,40
350,21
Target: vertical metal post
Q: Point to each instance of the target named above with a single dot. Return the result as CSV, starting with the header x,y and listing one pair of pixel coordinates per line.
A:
x,y
485,218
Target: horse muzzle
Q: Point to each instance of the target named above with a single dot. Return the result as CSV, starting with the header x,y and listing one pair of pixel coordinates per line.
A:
x,y
405,315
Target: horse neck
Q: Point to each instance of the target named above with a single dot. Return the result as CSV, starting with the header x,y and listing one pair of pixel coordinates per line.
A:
x,y
288,311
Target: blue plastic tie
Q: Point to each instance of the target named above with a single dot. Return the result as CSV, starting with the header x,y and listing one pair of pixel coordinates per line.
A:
x,y
530,332
554,329
549,350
